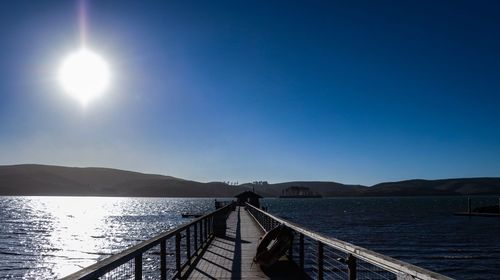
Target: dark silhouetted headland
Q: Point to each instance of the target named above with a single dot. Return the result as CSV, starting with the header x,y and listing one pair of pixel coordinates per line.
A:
x,y
32,179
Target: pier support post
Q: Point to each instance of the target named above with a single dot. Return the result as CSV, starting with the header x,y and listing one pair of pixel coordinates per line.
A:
x,y
320,260
290,251
195,237
188,243
301,251
469,209
163,259
201,233
351,267
205,230
138,267
178,255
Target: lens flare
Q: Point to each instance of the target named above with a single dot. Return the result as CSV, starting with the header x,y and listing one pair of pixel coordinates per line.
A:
x,y
85,75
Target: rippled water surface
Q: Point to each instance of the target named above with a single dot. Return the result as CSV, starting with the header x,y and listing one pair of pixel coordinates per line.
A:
x,y
418,230
49,237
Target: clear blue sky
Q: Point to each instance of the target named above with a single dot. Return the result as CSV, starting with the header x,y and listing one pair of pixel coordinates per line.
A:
x,y
355,92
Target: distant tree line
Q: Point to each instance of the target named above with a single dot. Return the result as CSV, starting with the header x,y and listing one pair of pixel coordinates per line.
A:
x,y
255,183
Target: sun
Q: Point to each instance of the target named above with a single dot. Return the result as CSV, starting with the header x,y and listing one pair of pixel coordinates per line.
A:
x,y
84,75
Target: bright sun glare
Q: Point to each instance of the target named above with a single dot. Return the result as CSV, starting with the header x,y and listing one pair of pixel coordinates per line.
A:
x,y
84,75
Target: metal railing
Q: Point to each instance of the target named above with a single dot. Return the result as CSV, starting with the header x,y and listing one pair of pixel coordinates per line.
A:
x,y
322,257
160,257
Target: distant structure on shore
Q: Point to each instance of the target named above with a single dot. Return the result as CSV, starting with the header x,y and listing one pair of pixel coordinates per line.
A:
x,y
249,197
483,211
298,192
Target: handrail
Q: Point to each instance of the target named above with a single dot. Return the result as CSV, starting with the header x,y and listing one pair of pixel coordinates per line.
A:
x,y
136,251
382,261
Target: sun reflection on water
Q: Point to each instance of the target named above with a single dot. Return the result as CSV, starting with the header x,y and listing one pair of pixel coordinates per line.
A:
x,y
50,237
80,223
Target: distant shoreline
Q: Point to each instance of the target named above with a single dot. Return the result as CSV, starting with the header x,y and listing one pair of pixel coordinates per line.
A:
x,y
46,180
265,197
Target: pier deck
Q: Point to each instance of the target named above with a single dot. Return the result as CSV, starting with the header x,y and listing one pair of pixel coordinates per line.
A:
x,y
200,250
231,257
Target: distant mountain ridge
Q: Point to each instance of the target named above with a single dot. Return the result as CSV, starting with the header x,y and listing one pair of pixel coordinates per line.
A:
x,y
33,179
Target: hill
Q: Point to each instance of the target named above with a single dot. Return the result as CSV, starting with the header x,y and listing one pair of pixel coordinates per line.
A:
x,y
461,186
33,179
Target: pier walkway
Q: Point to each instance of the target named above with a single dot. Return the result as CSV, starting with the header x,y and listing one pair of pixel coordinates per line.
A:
x,y
222,244
231,257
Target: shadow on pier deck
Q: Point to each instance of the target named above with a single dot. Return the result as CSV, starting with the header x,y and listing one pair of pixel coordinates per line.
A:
x,y
230,257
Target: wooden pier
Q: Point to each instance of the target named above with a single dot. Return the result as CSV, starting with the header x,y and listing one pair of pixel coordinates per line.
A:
x,y
230,257
222,244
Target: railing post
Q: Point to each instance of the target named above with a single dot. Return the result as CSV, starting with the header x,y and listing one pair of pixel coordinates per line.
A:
x,y
163,259
138,267
320,260
209,222
195,237
178,255
290,251
301,251
205,230
212,225
201,233
188,242
351,267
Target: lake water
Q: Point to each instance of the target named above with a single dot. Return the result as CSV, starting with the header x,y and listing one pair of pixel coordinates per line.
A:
x,y
418,230
49,237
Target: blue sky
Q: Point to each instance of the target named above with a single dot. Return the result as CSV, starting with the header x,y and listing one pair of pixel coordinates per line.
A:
x,y
355,92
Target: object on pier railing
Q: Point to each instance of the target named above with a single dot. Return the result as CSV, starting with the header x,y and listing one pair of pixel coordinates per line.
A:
x,y
322,257
273,245
150,256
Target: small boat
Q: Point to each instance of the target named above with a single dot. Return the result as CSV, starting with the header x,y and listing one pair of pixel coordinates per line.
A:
x,y
273,245
191,215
